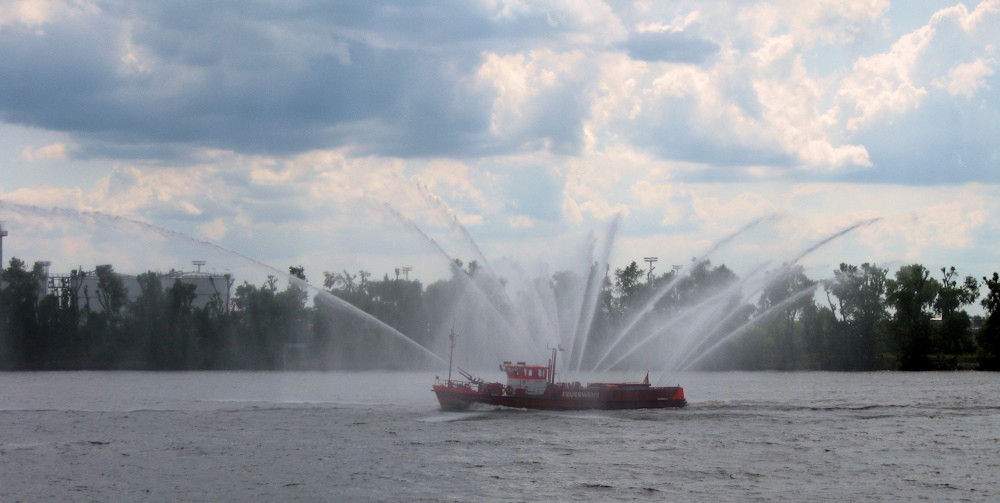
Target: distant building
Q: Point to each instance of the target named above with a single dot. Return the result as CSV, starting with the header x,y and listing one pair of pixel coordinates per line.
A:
x,y
83,286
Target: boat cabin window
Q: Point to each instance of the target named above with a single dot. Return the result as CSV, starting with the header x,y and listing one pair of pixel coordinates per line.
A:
x,y
526,371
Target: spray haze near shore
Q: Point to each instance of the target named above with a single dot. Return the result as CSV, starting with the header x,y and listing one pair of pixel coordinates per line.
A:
x,y
511,308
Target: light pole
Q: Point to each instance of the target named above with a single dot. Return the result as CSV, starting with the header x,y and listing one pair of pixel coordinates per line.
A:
x,y
649,274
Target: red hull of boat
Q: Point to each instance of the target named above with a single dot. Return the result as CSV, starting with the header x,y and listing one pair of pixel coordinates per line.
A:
x,y
616,396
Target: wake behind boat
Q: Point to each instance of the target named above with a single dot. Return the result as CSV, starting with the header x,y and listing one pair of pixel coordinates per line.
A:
x,y
535,387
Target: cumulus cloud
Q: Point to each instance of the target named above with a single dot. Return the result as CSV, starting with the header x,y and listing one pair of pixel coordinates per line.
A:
x,y
919,108
672,202
883,83
451,178
895,82
966,79
55,151
216,229
727,85
521,222
27,12
752,109
185,194
540,99
46,196
830,21
589,192
275,79
36,13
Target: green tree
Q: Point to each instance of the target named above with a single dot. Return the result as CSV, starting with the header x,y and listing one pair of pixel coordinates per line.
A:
x,y
266,320
822,332
912,294
778,296
861,305
252,334
58,331
146,322
105,336
954,333
213,328
472,268
989,334
111,292
21,344
626,289
700,282
182,347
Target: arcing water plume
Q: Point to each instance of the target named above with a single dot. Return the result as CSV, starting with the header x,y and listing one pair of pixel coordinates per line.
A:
x,y
570,311
687,351
582,333
449,216
535,305
721,323
483,297
787,268
531,318
663,291
721,300
161,231
706,308
739,330
807,251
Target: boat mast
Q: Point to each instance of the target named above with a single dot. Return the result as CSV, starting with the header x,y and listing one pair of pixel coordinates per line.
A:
x,y
552,364
451,352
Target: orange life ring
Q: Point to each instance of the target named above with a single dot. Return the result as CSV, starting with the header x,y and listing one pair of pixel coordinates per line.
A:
x,y
509,390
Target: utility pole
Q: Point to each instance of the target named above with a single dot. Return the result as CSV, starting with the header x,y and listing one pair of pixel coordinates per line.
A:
x,y
406,271
649,274
3,232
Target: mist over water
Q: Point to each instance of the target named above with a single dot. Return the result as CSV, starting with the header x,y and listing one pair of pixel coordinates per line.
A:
x,y
557,307
321,297
519,307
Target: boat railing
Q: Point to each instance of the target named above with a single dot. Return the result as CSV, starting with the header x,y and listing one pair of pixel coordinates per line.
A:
x,y
452,383
630,385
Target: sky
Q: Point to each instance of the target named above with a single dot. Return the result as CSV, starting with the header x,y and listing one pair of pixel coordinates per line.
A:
x,y
150,134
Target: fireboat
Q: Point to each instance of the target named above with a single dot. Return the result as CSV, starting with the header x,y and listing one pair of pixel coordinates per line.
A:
x,y
535,387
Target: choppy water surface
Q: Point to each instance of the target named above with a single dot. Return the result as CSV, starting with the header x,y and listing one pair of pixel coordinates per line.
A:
x,y
96,436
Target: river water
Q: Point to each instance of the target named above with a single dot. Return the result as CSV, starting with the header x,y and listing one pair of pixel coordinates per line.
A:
x,y
221,436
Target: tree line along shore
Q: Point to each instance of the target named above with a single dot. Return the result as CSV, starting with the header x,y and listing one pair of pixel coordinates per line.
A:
x,y
863,318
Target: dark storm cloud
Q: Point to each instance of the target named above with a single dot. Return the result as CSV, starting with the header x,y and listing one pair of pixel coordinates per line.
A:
x,y
154,79
71,69
673,47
